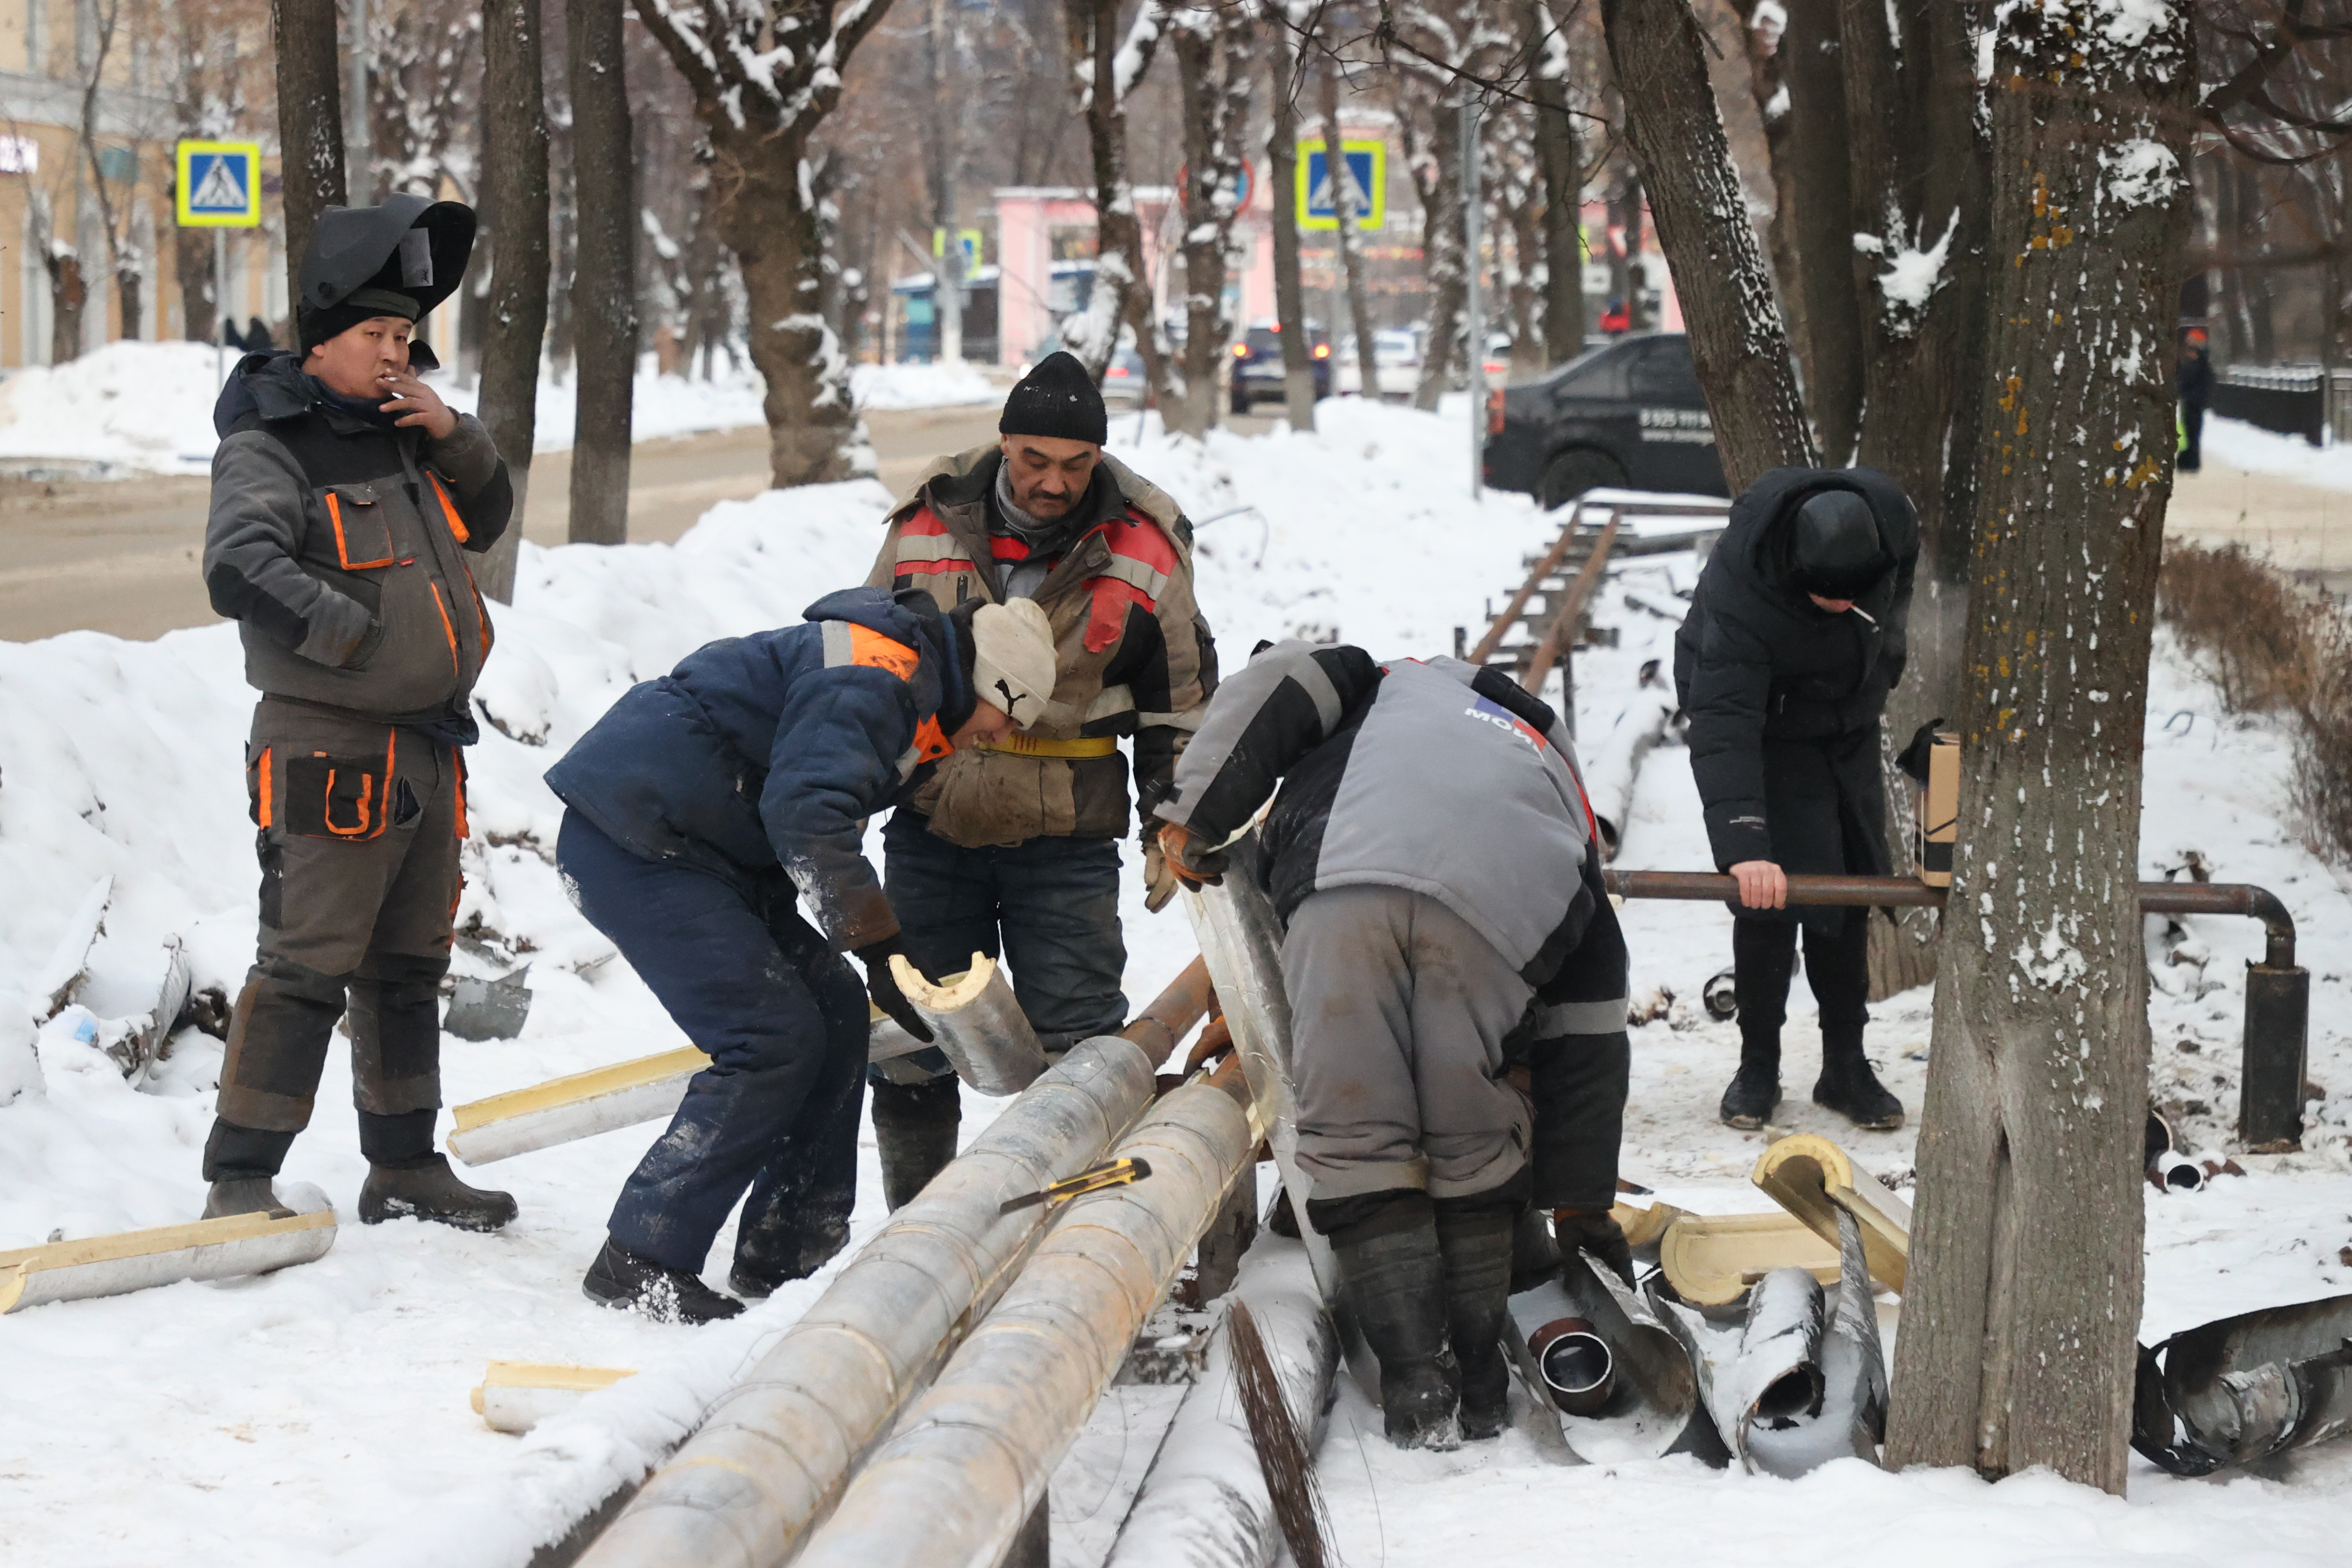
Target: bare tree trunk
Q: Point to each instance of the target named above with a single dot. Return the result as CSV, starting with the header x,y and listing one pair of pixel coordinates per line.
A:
x,y
192,256
309,124
1919,182
1282,171
1819,152
1563,173
1761,29
514,203
1212,67
603,279
1632,207
1347,202
1442,246
1106,73
2020,1310
1738,341
67,296
942,170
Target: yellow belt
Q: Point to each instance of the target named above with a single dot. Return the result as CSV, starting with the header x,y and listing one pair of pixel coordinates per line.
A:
x,y
1028,746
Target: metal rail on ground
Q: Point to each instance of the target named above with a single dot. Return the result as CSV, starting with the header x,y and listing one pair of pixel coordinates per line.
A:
x,y
2278,990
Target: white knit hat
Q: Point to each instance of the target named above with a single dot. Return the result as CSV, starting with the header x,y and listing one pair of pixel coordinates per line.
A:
x,y
1013,659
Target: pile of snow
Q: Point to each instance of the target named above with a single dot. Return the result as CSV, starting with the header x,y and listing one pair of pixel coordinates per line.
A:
x,y
2236,443
307,1414
134,407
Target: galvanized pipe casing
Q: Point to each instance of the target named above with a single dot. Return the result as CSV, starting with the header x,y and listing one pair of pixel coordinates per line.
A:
x,y
979,1024
2277,1037
129,1260
775,1451
969,1461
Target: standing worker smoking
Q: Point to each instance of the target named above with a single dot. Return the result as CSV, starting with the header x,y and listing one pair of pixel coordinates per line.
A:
x,y
1020,838
1793,641
345,498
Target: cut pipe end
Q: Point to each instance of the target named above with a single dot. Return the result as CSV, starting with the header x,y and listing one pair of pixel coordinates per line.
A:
x,y
950,992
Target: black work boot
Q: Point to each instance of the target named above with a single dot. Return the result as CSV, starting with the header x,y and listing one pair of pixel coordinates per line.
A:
x,y
1755,1091
1475,1244
1849,1087
427,1188
630,1281
242,1163
1535,1256
1395,1282
915,1129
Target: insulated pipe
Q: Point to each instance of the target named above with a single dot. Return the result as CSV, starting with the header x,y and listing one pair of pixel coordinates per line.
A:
x,y
1609,777
979,1024
2278,991
971,1459
775,1451
131,1260
1204,1502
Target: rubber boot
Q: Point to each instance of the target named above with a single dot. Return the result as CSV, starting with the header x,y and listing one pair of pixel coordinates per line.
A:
x,y
1475,1244
241,1164
427,1188
1755,1089
915,1127
1394,1277
1849,1087
1535,1256
630,1281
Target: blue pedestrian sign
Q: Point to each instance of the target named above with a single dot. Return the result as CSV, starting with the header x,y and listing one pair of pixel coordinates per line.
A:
x,y
219,185
1367,162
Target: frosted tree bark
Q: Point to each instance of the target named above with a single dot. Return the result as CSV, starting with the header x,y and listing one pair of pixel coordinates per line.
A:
x,y
1919,180
1561,170
310,124
2024,1285
1107,71
1282,179
1819,149
1441,244
1212,59
1738,341
514,212
1347,203
1763,24
764,75
604,277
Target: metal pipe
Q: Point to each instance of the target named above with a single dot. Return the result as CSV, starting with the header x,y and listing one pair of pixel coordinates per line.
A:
x,y
971,1459
1204,1504
131,1260
2276,1041
1172,1013
774,1452
1575,1364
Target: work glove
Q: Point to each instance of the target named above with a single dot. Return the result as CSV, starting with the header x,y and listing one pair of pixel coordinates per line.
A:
x,y
1187,861
882,985
1159,883
1595,1231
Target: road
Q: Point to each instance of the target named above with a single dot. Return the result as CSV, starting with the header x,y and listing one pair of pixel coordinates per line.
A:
x,y
119,556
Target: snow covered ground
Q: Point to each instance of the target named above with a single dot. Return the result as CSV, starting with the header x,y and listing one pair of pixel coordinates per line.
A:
x,y
319,1414
148,407
2260,451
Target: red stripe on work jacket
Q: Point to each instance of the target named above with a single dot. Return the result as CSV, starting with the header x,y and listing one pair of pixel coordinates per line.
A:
x,y
1134,540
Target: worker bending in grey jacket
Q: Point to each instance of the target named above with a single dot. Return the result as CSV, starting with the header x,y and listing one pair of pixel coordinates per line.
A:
x,y
1431,856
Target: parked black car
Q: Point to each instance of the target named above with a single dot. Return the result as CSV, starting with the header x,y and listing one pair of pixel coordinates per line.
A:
x,y
1629,416
1257,367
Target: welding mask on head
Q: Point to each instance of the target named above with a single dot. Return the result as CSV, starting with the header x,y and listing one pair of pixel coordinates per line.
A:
x,y
1836,552
400,257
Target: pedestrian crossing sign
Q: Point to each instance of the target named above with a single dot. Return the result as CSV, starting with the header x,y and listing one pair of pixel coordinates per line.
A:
x,y
1367,162
219,185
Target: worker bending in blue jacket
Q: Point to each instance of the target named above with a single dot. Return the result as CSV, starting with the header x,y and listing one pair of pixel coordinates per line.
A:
x,y
699,813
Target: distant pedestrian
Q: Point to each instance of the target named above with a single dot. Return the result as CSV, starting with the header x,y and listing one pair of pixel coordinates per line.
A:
x,y
258,339
230,337
2196,377
1794,639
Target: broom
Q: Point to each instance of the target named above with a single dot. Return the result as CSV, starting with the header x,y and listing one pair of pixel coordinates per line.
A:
x,y
1282,1454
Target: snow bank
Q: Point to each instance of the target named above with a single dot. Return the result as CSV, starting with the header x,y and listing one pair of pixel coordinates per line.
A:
x,y
148,407
2235,443
320,1413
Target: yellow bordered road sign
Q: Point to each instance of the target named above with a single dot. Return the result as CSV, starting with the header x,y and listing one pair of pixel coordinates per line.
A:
x,y
219,185
1368,161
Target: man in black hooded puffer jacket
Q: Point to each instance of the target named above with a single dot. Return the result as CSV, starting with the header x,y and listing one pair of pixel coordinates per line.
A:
x,y
1793,641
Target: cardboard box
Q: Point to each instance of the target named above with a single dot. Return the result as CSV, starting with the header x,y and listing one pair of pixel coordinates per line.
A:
x,y
1936,810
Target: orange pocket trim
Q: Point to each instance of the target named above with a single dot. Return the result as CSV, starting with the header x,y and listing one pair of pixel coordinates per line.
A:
x,y
457,760
342,548
268,803
930,740
327,808
448,630
448,509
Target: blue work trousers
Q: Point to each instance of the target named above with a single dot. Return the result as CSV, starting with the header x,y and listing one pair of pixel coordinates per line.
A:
x,y
783,1020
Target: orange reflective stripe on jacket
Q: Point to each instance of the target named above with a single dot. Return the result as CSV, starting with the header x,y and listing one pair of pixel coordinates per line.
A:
x,y
268,796
848,643
448,508
457,762
448,630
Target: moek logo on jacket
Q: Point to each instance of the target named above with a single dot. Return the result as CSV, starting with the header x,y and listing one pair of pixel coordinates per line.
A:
x,y
1487,711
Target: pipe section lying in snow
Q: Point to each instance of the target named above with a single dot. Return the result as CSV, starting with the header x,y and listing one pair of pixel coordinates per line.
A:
x,y
1800,1381
775,1451
1609,777
603,1099
141,1260
1815,1180
953,1488
2244,1388
1204,1504
1651,1404
979,1025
